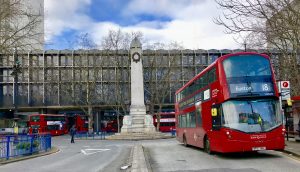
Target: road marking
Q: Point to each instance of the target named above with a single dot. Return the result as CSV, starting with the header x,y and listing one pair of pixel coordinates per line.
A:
x,y
92,151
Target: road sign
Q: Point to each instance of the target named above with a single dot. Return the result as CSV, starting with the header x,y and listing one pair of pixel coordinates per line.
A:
x,y
285,84
284,89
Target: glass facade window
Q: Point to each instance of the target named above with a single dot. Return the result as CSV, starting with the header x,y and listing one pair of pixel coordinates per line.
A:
x,y
91,60
34,76
69,61
10,62
49,61
198,59
63,61
212,58
41,61
55,61
84,60
204,59
185,60
35,61
4,60
76,60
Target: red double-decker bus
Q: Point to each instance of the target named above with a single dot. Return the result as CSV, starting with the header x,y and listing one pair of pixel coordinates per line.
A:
x,y
54,124
166,122
81,123
231,106
110,126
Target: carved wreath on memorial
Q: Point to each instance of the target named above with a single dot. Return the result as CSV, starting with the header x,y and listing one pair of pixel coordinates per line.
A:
x,y
136,57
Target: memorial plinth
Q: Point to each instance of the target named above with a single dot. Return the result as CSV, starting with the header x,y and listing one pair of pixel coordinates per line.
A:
x,y
137,125
137,121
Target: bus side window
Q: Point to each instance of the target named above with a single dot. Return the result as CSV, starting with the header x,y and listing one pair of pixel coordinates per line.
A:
x,y
199,116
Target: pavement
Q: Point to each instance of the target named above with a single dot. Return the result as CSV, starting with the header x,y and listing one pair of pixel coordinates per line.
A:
x,y
292,147
140,164
51,151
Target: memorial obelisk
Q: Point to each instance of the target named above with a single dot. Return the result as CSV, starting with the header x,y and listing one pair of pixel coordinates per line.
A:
x,y
137,121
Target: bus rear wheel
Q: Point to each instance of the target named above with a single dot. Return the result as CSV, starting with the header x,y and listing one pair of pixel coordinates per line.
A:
x,y
207,146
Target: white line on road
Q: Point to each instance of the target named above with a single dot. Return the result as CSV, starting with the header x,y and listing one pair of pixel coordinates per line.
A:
x,y
92,151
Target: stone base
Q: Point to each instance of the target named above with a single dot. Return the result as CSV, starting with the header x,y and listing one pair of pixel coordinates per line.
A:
x,y
138,130
139,136
138,123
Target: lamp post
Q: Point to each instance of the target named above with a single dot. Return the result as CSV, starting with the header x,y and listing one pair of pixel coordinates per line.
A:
x,y
15,72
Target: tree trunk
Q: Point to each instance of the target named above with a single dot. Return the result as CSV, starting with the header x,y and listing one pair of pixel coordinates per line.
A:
x,y
91,119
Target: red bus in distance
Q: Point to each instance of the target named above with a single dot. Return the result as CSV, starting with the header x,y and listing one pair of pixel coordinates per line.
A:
x,y
81,123
231,106
54,124
110,126
167,121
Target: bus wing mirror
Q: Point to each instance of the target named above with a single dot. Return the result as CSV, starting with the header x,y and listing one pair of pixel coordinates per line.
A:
x,y
214,112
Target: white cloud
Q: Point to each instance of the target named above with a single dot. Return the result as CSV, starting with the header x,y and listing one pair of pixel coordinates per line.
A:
x,y
191,22
63,15
192,35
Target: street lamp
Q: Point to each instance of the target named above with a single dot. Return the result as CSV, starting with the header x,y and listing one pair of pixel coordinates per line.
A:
x,y
16,70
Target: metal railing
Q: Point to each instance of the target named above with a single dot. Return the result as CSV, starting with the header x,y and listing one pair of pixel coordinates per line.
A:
x,y
96,135
22,145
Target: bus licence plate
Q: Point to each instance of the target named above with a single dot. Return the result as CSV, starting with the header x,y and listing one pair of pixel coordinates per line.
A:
x,y
258,148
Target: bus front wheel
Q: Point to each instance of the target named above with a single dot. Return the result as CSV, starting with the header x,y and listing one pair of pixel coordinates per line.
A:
x,y
207,146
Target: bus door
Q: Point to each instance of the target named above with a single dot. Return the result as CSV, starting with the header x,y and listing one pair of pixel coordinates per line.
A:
x,y
216,114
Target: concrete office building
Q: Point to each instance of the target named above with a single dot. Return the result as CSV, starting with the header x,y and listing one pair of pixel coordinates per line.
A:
x,y
63,81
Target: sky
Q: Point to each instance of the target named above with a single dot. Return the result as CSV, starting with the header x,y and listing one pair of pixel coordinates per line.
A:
x,y
188,22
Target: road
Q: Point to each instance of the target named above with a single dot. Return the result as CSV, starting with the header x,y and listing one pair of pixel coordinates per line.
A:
x,y
172,156
83,156
163,155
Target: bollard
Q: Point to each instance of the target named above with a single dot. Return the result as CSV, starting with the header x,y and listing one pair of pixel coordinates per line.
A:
x,y
31,144
7,147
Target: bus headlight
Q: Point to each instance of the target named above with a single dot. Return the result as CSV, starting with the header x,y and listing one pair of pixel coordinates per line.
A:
x,y
228,134
283,131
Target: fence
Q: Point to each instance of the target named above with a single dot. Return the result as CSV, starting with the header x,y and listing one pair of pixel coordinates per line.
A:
x,y
98,135
22,145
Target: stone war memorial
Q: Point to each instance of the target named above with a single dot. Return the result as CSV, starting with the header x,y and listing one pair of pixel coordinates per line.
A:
x,y
137,125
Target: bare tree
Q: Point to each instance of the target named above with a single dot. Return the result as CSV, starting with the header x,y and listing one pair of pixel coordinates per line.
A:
x,y
117,44
18,26
267,23
80,86
161,76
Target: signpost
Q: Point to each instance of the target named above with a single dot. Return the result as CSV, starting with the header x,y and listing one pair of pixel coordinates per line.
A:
x,y
284,90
